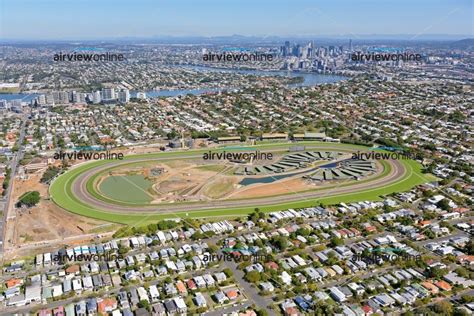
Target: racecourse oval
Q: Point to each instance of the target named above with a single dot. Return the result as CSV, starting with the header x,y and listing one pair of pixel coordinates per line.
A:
x,y
73,191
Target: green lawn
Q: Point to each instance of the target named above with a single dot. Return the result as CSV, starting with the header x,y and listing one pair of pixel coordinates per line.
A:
x,y
61,192
132,188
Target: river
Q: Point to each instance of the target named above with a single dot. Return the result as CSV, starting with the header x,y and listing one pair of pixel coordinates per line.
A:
x,y
310,79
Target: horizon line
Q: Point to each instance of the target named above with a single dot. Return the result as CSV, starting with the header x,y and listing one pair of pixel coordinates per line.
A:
x,y
409,37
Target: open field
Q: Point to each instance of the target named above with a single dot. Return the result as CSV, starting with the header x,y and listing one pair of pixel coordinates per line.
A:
x,y
5,90
396,176
219,188
126,188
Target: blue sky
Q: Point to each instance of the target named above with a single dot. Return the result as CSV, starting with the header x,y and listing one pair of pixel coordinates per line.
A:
x,y
94,19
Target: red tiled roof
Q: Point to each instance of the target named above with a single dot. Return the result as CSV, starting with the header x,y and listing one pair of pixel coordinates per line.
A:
x,y
291,311
232,294
14,282
191,284
443,285
367,309
272,265
107,305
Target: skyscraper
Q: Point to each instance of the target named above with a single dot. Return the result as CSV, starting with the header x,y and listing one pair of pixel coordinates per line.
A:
x,y
124,96
49,99
41,99
108,94
312,50
60,97
96,97
285,50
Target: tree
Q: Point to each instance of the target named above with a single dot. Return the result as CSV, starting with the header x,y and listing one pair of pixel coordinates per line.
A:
x,y
164,225
443,308
144,304
463,272
437,272
61,142
303,232
466,298
444,204
280,242
253,276
262,312
332,258
152,228
470,247
336,242
213,249
172,135
49,174
228,272
461,312
123,250
29,199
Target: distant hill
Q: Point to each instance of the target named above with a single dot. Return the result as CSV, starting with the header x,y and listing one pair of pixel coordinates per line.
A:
x,y
467,43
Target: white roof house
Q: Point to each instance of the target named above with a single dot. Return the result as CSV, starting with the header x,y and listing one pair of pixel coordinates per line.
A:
x,y
33,293
285,278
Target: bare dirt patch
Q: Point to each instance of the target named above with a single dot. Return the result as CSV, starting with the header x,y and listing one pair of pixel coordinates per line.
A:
x,y
275,188
45,223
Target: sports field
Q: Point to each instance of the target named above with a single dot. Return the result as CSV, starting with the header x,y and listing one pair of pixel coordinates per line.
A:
x,y
396,177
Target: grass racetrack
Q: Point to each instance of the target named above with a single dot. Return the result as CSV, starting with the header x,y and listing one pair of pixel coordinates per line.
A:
x,y
61,191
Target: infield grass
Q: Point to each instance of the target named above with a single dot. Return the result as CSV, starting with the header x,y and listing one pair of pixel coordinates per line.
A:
x,y
131,188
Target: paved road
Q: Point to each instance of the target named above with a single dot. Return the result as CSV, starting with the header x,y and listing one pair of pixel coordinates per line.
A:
x,y
441,239
80,191
252,292
228,310
13,167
